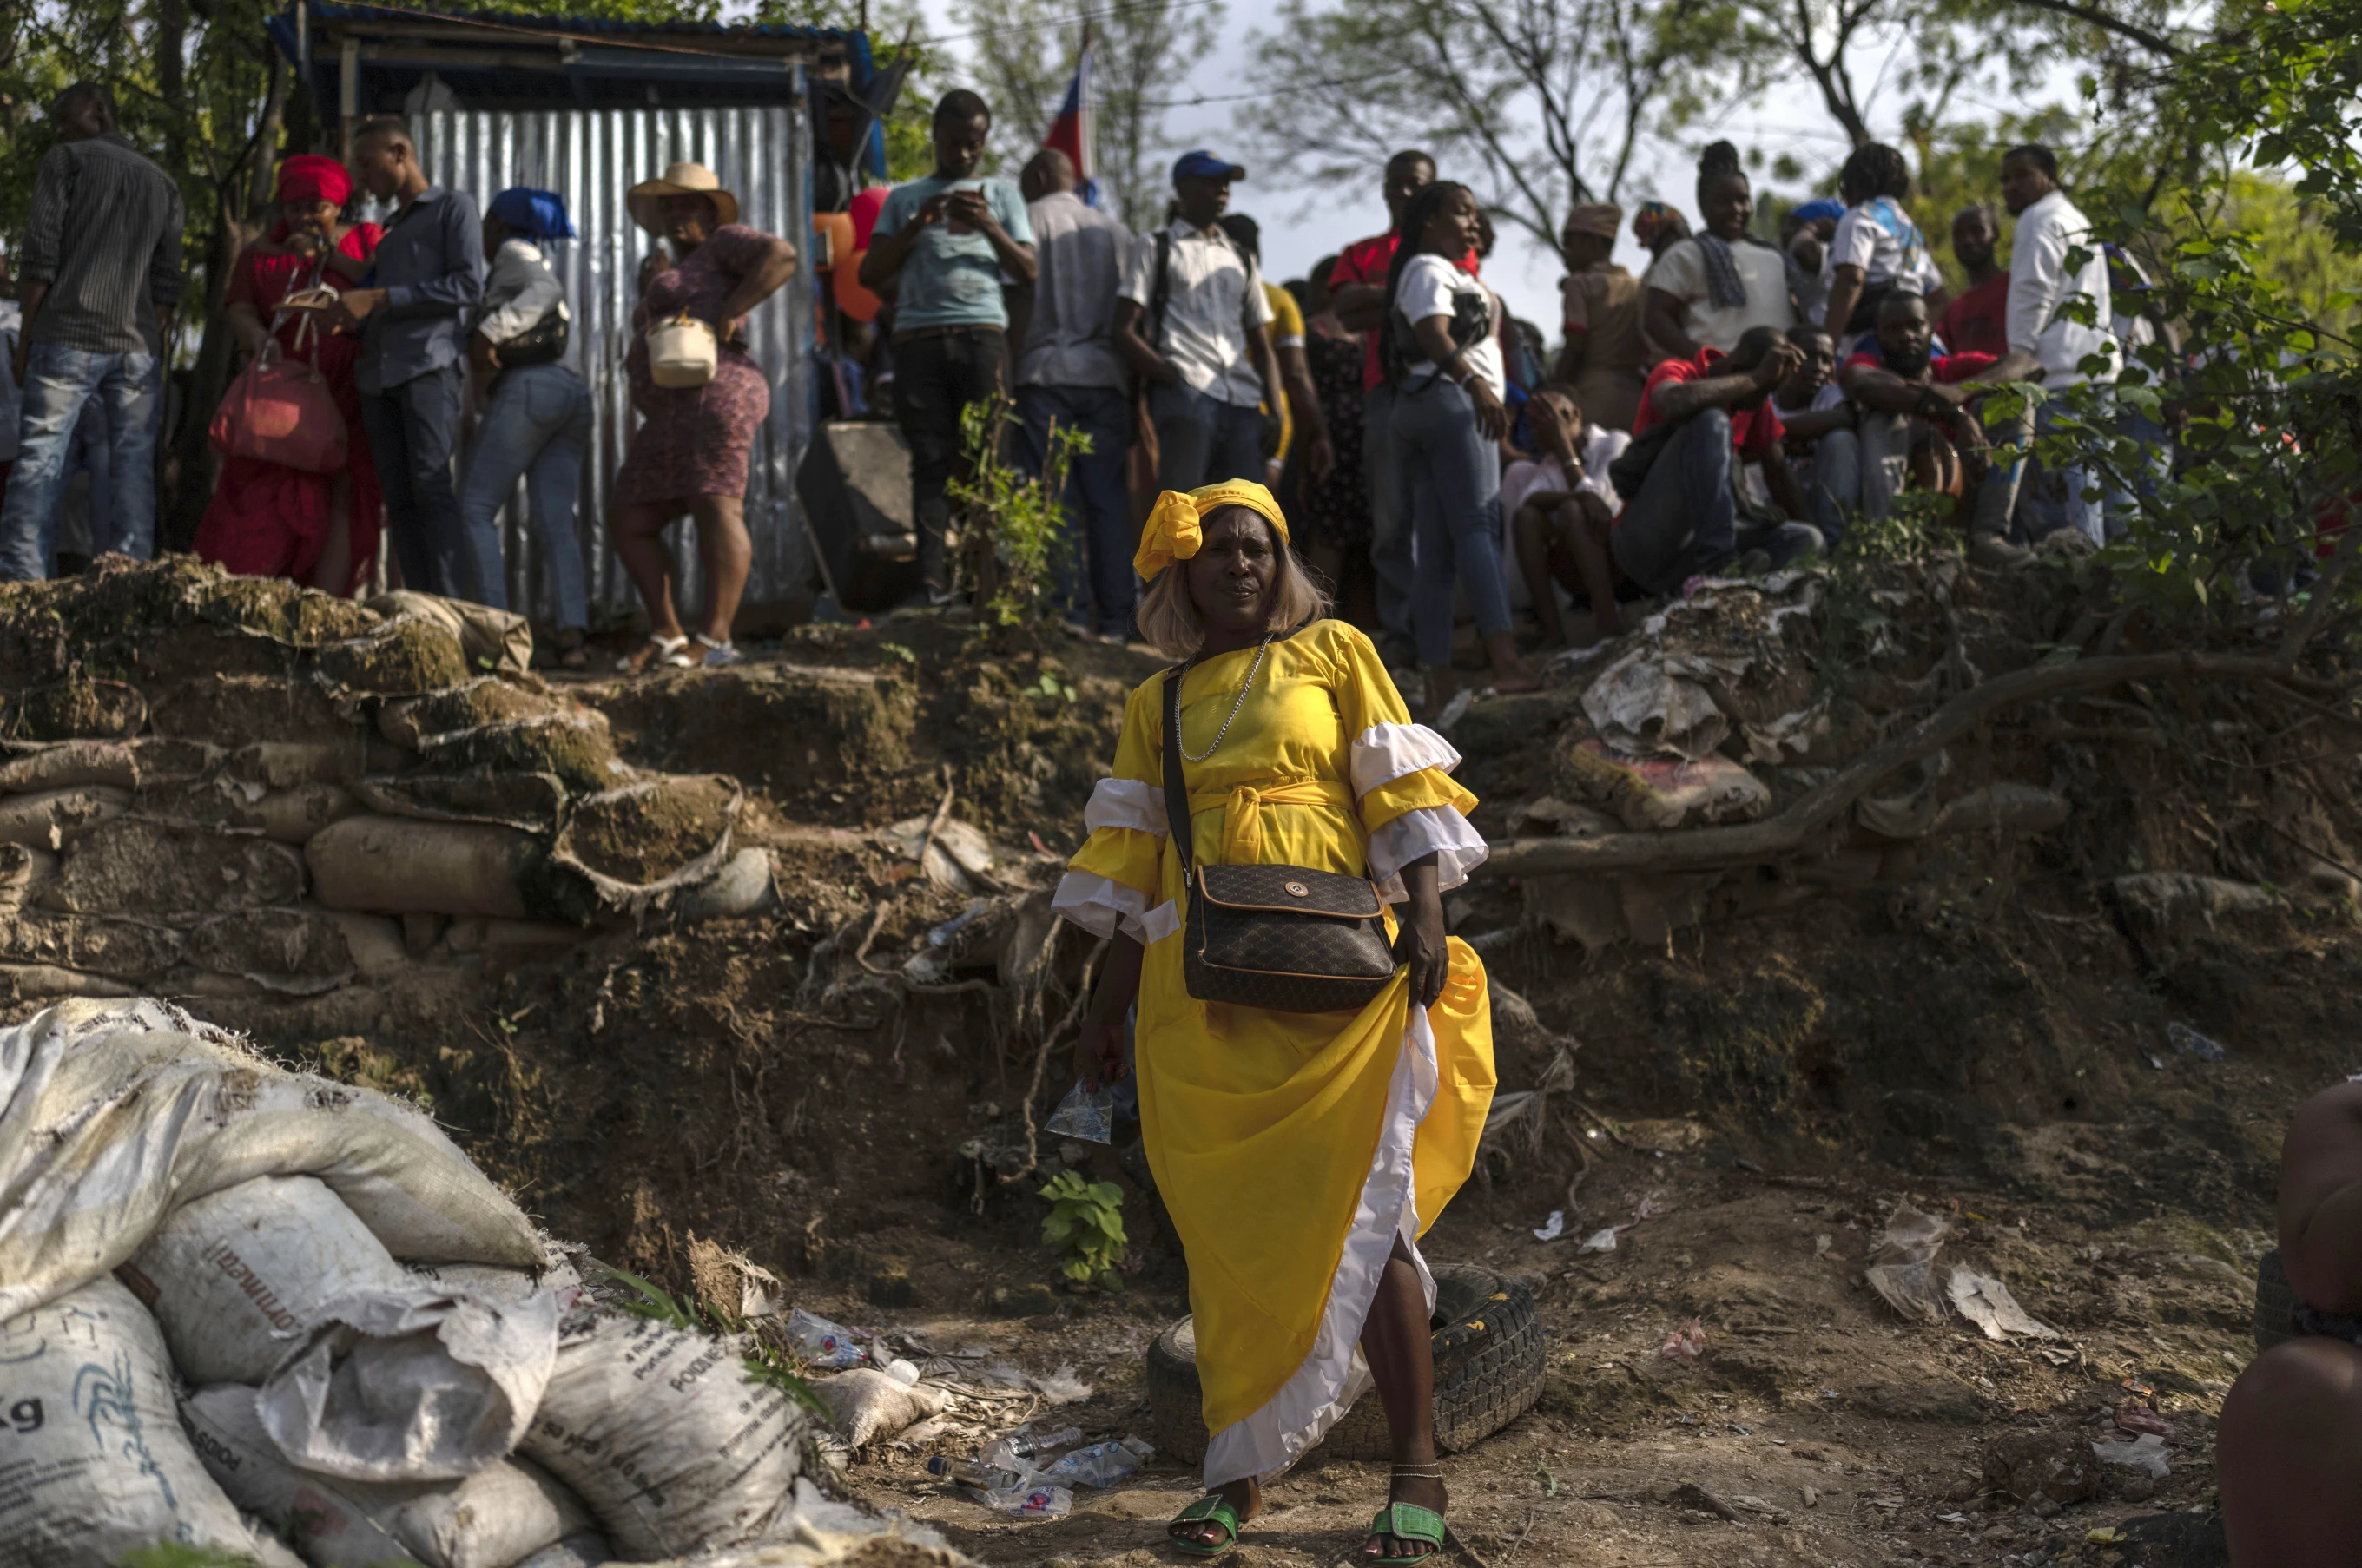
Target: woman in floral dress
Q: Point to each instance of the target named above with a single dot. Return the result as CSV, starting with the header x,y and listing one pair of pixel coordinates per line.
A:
x,y
691,451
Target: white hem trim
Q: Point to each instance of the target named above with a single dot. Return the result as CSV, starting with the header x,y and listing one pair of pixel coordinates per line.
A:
x,y
1439,831
1335,1374
1158,924
1126,803
1384,753
1099,904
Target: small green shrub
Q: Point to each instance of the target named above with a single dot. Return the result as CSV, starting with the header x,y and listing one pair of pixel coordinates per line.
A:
x,y
1086,1219
767,1361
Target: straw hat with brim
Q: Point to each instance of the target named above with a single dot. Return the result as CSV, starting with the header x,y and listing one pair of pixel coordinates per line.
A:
x,y
681,179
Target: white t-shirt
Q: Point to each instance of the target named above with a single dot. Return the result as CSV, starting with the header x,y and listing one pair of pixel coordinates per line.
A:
x,y
1431,286
1880,238
1527,476
1762,272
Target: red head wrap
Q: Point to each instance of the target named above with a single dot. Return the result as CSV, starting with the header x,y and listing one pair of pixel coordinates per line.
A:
x,y
308,177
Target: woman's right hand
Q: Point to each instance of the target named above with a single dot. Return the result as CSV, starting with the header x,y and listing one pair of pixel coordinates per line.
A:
x,y
1100,1052
1492,418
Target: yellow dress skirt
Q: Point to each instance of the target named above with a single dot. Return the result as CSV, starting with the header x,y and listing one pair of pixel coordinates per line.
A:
x,y
1291,1149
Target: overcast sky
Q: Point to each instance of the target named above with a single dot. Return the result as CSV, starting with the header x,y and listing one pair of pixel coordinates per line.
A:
x,y
1301,224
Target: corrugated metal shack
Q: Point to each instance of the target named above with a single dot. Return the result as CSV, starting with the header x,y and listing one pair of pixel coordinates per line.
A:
x,y
589,109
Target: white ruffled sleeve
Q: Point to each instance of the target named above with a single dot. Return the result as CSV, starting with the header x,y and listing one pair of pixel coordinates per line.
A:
x,y
1384,753
1439,831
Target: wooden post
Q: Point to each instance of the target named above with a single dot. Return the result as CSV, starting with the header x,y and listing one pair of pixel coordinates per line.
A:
x,y
349,88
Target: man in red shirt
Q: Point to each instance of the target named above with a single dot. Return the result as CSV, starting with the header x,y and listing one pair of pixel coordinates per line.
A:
x,y
1683,521
1357,293
1977,321
1915,424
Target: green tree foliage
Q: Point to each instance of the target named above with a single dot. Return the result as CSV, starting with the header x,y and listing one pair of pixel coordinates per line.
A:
x,y
1536,103
1025,51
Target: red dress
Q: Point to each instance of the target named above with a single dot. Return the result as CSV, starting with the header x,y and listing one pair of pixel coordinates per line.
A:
x,y
269,521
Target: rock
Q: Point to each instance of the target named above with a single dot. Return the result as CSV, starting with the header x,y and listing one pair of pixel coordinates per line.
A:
x,y
2034,1468
1690,1495
1032,1300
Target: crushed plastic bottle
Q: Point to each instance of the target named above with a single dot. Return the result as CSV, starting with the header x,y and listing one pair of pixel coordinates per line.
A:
x,y
1086,1113
983,1477
2190,1042
901,1372
1041,1442
1100,1464
824,1344
1040,1502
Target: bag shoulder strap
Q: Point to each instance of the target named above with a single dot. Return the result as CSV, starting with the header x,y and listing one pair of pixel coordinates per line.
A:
x,y
1161,290
1177,788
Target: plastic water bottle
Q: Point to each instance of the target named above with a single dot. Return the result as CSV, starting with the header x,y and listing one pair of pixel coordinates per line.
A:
x,y
985,1477
1101,1464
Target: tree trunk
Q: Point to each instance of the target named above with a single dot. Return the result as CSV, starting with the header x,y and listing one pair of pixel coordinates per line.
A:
x,y
243,203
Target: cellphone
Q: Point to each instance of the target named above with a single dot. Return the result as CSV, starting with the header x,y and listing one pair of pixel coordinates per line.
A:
x,y
953,224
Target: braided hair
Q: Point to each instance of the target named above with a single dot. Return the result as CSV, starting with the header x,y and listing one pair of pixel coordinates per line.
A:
x,y
1718,162
1874,171
1423,203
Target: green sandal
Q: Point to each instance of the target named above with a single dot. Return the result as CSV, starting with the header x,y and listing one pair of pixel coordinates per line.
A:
x,y
1212,1505
1409,1522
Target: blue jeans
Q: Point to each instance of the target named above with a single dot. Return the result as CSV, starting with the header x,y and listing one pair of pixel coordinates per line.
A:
x,y
1684,522
414,430
2043,503
1835,488
58,381
1390,530
1202,440
1451,476
537,425
1099,506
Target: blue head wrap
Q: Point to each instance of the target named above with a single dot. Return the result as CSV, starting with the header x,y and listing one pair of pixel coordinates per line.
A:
x,y
1821,207
536,215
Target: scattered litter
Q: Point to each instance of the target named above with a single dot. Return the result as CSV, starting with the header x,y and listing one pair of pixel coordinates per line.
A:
x,y
1650,793
2056,1357
1686,1342
1085,1113
1063,1387
1811,1498
1986,1302
1599,1240
1033,1502
1551,1229
1903,1262
2144,1453
1653,1207
974,1473
825,1344
1820,1247
1100,1464
951,928
902,1371
870,1405
2133,1418
2192,1043
2107,1535
1454,710
1045,1442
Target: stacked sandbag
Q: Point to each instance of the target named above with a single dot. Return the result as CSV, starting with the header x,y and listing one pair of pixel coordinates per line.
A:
x,y
368,1332
93,1461
225,786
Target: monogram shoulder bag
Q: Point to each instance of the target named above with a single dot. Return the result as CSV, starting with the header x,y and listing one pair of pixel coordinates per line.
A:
x,y
1282,937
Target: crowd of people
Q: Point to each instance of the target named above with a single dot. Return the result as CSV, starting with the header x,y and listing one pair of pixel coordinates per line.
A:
x,y
1738,405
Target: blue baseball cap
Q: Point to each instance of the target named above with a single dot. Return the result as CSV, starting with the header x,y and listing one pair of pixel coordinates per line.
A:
x,y
1206,165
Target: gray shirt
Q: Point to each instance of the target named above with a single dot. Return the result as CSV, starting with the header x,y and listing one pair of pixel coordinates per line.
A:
x,y
104,234
1081,252
431,266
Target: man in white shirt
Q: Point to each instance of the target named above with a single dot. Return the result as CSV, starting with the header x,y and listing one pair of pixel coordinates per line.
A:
x,y
1069,372
1190,320
2045,343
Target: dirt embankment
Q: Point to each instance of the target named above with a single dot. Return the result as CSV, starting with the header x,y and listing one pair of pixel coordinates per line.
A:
x,y
1993,1021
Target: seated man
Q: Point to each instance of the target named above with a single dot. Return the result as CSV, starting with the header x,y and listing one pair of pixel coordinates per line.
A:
x,y
2288,1452
1708,417
1914,427
1560,509
1811,406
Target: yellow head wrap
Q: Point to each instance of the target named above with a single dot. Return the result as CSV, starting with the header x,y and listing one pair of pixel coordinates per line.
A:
x,y
1171,533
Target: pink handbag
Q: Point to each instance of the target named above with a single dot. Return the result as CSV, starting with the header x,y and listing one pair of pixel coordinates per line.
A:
x,y
281,411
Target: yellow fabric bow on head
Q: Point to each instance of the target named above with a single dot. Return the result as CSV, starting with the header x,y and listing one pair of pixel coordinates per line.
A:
x,y
1173,535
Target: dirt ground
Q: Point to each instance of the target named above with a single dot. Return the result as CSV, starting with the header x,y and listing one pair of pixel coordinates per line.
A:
x,y
1991,1043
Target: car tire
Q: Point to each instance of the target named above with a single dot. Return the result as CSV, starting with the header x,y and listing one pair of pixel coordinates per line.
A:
x,y
1487,1339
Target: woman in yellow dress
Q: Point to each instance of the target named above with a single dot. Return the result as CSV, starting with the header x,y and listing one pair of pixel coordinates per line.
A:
x,y
1301,1155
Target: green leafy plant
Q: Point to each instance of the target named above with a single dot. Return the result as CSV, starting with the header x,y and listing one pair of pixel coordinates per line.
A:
x,y
897,653
1050,687
767,1360
1017,546
1086,1219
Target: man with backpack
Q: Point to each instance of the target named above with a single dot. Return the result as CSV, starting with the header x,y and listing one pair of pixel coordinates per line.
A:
x,y
1189,320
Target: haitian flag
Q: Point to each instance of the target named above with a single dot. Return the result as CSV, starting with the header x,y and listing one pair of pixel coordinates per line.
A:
x,y
1070,131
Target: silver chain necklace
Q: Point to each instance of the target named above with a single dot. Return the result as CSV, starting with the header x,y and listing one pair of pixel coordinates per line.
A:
x,y
1244,688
